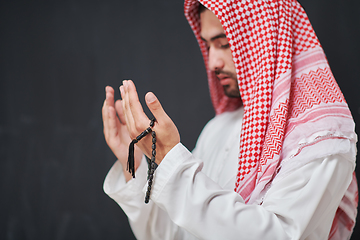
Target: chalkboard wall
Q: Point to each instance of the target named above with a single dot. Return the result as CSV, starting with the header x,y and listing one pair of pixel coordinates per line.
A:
x,y
56,57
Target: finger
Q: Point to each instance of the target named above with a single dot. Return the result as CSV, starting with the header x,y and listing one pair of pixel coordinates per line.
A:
x,y
109,101
126,112
105,117
112,125
140,118
120,111
155,107
109,95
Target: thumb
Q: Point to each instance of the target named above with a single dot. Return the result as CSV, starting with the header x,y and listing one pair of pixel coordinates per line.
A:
x,y
154,106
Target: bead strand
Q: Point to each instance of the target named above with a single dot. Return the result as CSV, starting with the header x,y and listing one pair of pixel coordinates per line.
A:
x,y
152,166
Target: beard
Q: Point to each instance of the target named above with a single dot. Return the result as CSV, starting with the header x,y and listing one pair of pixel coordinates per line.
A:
x,y
231,93
231,90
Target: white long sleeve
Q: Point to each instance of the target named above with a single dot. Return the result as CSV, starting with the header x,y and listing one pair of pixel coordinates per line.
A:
x,y
194,199
147,221
300,206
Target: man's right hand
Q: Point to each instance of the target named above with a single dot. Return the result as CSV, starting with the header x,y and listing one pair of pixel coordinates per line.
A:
x,y
116,133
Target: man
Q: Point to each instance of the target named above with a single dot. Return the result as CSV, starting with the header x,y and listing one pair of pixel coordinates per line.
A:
x,y
291,178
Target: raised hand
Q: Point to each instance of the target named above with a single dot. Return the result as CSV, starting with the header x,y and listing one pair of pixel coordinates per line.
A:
x,y
136,120
115,131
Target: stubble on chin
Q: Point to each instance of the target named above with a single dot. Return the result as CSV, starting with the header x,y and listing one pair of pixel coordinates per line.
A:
x,y
230,91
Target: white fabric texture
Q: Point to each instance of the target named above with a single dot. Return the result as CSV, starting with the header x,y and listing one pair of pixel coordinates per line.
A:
x,y
194,199
296,158
291,99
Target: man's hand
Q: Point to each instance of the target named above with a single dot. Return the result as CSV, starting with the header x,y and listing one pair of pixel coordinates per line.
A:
x,y
116,133
167,135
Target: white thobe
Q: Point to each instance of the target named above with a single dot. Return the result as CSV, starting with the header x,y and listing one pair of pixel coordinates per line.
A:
x,y
193,193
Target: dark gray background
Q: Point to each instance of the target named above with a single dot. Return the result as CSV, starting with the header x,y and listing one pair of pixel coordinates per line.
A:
x,y
56,57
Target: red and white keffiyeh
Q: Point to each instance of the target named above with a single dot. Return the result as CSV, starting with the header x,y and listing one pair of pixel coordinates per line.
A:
x,y
291,99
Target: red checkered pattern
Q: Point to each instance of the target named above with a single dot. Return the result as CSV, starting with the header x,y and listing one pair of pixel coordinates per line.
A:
x,y
265,37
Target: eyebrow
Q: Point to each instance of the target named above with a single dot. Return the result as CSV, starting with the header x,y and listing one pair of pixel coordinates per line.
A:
x,y
221,35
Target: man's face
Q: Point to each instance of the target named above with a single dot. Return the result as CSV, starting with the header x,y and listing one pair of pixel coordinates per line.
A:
x,y
220,58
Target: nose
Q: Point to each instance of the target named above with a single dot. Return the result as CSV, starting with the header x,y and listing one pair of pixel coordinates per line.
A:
x,y
216,62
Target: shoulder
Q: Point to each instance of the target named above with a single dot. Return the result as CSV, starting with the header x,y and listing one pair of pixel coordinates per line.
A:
x,y
226,119
222,127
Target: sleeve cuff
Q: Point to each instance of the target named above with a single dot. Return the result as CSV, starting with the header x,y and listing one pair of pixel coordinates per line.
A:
x,y
173,159
118,189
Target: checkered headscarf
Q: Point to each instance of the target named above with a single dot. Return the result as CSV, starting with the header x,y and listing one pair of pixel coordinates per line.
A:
x,y
291,99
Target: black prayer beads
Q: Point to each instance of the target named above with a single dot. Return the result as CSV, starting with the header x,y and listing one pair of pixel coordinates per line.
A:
x,y
152,164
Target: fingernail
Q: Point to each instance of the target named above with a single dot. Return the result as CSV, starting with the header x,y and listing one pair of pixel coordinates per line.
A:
x,y
150,97
121,88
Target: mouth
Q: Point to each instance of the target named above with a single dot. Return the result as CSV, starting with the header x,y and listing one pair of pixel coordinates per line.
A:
x,y
224,79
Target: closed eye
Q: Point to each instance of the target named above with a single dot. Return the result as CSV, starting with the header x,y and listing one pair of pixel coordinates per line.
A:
x,y
226,46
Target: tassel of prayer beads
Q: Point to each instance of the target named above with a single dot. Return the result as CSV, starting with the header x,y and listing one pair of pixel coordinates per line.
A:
x,y
152,164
